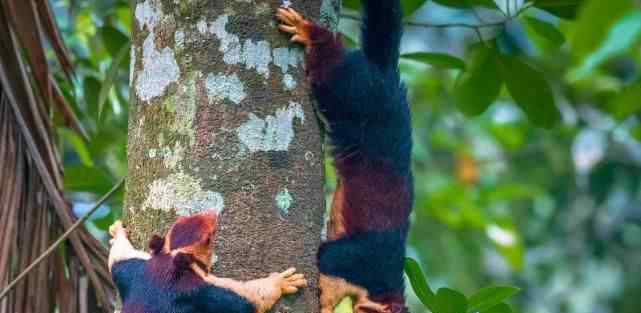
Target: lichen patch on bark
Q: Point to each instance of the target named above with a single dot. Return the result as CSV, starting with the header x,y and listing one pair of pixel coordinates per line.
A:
x,y
284,201
182,193
221,87
272,133
149,13
159,70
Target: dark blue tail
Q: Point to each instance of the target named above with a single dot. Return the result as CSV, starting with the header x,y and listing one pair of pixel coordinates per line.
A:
x,y
382,31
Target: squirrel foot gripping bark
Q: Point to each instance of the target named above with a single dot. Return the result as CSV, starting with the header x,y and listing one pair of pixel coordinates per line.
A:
x,y
176,278
293,23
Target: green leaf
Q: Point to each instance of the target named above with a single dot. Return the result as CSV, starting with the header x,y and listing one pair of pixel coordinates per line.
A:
x,y
449,301
489,297
411,6
346,305
530,91
91,90
462,4
90,179
627,102
562,8
438,60
546,30
352,4
623,35
596,18
477,88
111,77
113,40
78,145
104,222
419,282
500,308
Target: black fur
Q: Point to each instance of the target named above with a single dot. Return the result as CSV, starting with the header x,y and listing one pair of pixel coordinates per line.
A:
x,y
364,104
379,255
154,286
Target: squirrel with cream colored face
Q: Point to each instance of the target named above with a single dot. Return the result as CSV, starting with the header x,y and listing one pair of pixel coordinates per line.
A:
x,y
175,277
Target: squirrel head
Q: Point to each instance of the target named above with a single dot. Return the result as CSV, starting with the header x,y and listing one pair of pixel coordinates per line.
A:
x,y
189,239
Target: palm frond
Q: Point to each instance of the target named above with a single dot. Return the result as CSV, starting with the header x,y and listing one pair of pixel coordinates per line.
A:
x,y
33,211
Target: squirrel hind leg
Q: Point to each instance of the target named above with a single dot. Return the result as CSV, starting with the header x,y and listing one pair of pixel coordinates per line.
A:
x,y
293,23
334,289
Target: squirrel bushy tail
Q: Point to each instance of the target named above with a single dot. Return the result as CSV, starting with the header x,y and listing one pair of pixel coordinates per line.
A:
x,y
382,31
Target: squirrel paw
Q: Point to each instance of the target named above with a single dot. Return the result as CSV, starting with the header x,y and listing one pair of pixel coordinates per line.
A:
x,y
117,230
293,23
289,281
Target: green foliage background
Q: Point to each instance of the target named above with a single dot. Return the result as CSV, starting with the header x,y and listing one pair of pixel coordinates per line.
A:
x,y
527,146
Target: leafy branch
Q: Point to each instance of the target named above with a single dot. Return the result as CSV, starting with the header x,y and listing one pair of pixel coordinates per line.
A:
x,y
475,26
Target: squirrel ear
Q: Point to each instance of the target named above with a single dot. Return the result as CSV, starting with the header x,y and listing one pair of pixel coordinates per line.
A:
x,y
183,261
156,244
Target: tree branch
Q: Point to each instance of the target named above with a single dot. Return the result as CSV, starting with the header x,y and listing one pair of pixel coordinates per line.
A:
x,y
445,25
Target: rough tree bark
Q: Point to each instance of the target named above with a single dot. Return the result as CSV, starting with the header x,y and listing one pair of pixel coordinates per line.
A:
x,y
221,118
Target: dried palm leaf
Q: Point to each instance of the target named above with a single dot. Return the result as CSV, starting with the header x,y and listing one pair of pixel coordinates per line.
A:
x,y
33,211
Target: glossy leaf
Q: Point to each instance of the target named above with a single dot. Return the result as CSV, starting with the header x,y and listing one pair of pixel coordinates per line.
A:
x,y
409,6
500,308
111,77
466,3
595,21
489,297
621,37
113,40
562,8
627,102
438,60
449,301
419,282
352,4
530,91
545,30
78,145
90,179
478,87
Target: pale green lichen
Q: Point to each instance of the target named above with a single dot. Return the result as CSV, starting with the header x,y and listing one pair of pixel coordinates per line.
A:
x,y
173,157
185,107
159,70
272,133
182,193
221,86
284,201
159,67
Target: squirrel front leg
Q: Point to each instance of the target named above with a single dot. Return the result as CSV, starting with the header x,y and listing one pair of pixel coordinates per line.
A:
x,y
121,247
263,292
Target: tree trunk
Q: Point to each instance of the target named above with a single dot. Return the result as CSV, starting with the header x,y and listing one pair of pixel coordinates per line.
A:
x,y
221,119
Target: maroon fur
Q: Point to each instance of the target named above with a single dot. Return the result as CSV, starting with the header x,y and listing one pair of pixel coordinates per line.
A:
x,y
324,52
379,199
394,301
190,230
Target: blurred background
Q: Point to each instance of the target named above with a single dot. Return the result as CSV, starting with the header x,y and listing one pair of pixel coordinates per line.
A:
x,y
527,150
